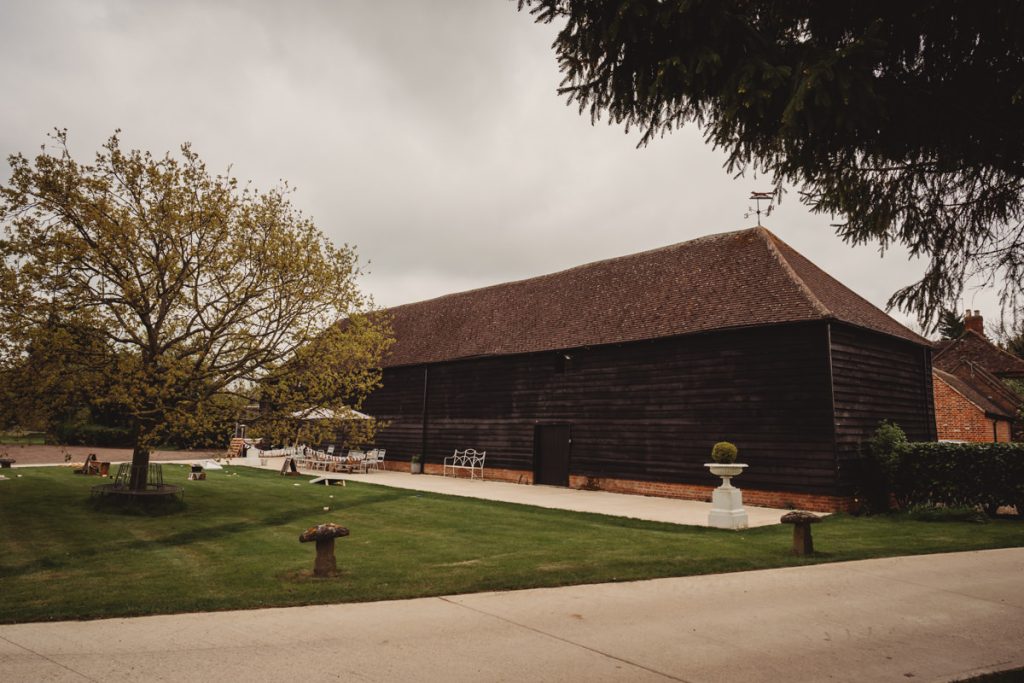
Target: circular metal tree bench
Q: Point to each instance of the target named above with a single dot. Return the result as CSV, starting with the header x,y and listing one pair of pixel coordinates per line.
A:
x,y
155,488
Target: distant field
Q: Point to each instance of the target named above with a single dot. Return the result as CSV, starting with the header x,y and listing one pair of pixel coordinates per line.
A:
x,y
235,546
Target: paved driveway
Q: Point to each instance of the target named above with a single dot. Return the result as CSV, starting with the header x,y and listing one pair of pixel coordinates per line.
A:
x,y
926,618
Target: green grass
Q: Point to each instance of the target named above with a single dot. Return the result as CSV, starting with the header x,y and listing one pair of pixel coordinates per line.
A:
x,y
235,546
29,438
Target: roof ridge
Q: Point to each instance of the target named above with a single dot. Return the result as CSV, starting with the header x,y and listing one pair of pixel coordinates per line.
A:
x,y
769,237
946,376
982,337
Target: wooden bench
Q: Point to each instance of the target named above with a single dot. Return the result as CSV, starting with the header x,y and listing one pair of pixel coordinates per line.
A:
x,y
468,459
7,462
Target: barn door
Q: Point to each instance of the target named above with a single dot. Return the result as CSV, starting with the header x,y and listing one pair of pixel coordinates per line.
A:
x,y
551,445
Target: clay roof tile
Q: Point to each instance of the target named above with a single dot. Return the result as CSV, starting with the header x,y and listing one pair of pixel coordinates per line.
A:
x,y
730,280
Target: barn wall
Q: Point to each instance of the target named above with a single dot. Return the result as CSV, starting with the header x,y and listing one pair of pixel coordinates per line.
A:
x,y
877,377
643,411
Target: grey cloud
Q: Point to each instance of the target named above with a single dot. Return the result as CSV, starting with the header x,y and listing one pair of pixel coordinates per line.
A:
x,y
428,134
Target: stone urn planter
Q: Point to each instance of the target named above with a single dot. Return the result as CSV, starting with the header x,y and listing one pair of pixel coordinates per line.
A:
x,y
726,501
416,465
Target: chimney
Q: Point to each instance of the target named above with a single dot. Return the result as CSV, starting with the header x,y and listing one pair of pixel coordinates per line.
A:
x,y
974,322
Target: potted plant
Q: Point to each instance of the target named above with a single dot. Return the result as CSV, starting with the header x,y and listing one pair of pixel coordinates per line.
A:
x,y
724,465
416,464
726,501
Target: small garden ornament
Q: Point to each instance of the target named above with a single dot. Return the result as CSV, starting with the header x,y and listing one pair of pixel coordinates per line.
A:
x,y
801,521
324,535
726,501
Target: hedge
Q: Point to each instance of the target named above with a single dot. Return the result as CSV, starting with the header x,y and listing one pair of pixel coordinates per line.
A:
x,y
93,435
958,474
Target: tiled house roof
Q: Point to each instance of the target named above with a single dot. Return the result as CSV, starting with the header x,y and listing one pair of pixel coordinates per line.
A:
x,y
976,394
732,280
975,348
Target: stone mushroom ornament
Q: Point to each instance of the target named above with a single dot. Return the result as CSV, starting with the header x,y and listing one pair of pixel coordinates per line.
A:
x,y
324,535
803,544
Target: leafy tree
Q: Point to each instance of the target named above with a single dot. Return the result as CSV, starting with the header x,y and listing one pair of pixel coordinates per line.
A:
x,y
903,118
54,375
178,293
950,324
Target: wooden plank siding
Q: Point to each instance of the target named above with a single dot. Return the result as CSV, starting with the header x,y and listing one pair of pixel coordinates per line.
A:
x,y
877,377
647,410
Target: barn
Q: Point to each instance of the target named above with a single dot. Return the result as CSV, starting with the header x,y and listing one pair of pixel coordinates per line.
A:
x,y
621,374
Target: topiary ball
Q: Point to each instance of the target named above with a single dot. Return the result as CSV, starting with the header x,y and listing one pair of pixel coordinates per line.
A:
x,y
724,452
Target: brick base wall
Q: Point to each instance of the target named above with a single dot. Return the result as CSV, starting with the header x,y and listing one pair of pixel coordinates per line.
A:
x,y
490,473
773,499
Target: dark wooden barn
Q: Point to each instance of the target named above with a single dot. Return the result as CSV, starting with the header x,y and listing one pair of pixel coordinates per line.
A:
x,y
622,374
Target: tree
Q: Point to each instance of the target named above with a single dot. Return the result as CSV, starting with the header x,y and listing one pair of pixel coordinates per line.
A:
x,y
950,324
191,290
902,118
52,376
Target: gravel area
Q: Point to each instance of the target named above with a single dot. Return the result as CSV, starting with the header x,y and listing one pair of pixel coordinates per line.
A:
x,y
55,455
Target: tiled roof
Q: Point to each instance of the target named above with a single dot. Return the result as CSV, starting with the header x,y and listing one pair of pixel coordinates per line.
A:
x,y
975,393
732,280
975,348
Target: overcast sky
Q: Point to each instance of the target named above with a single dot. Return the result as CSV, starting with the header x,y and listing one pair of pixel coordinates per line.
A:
x,y
427,134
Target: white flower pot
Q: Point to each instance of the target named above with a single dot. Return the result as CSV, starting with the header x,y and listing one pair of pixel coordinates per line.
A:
x,y
726,470
727,501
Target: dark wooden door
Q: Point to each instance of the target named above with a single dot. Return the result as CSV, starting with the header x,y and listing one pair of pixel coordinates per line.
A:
x,y
551,446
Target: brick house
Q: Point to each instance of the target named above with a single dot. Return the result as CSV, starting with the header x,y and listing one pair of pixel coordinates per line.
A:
x,y
964,413
972,403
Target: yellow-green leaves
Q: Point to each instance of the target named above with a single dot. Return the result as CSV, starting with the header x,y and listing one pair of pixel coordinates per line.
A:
x,y
192,289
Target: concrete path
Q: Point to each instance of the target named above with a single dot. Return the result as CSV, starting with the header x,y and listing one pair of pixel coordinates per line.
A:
x,y
927,618
649,508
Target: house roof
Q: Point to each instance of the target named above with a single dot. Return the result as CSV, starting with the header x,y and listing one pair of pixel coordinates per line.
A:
x,y
974,393
993,388
977,349
731,280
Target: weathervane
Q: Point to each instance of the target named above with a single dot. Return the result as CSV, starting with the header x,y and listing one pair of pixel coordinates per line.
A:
x,y
759,197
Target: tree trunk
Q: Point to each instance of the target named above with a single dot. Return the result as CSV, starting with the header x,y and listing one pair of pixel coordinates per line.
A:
x,y
140,457
140,468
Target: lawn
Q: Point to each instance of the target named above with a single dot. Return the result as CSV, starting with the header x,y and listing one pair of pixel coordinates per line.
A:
x,y
235,546
22,438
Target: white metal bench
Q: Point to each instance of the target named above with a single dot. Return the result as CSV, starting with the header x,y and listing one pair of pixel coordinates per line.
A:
x,y
468,459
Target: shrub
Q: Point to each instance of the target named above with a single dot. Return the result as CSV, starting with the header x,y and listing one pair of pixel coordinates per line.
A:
x,y
960,475
881,464
724,452
93,435
883,445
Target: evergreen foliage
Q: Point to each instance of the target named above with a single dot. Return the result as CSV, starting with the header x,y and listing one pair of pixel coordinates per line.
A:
x,y
950,324
901,118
